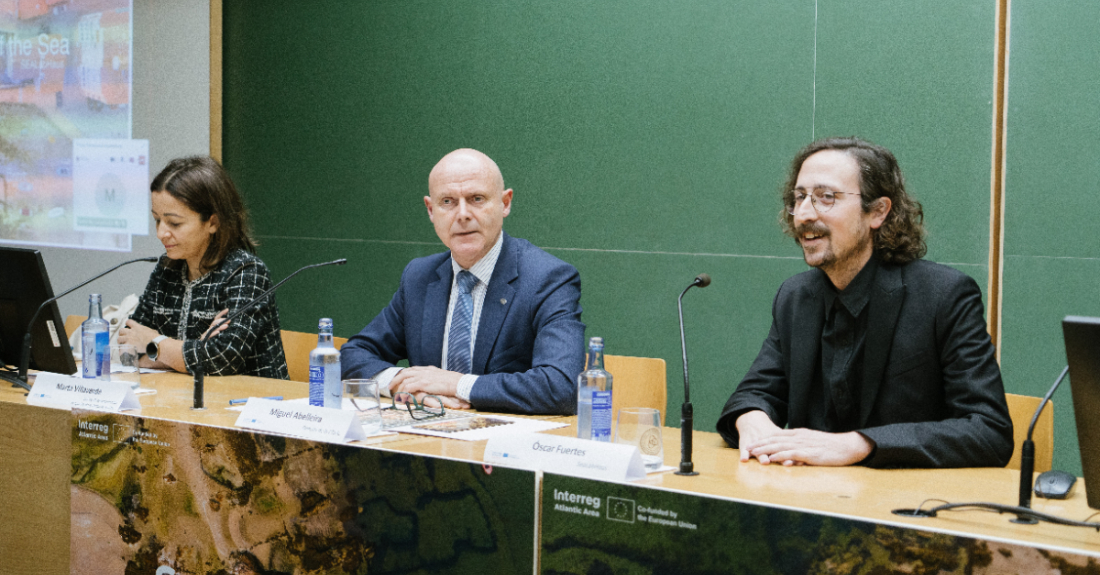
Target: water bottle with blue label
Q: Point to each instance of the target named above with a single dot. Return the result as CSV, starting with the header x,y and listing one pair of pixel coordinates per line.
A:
x,y
594,396
324,369
95,342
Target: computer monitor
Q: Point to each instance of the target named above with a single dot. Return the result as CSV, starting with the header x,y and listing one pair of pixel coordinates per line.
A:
x,y
1082,335
24,285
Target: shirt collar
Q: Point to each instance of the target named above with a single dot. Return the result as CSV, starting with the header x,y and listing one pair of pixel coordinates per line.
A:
x,y
854,297
483,269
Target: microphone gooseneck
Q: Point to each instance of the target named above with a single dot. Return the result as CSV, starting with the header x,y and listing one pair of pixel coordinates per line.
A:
x,y
199,374
25,357
687,412
1027,457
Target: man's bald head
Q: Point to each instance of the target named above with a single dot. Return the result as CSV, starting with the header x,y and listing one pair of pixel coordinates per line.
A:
x,y
470,163
467,204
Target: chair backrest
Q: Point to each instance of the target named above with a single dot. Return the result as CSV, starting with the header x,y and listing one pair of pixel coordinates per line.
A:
x,y
72,323
296,346
1021,408
638,382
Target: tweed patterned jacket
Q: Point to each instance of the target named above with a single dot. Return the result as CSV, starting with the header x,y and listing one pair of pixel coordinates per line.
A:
x,y
182,309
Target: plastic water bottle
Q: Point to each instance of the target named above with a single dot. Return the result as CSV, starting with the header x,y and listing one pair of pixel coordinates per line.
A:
x,y
324,369
594,396
95,342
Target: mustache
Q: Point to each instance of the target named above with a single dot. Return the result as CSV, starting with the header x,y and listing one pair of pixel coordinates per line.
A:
x,y
816,228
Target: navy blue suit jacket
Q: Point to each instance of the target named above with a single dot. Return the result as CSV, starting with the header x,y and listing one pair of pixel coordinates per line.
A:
x,y
530,339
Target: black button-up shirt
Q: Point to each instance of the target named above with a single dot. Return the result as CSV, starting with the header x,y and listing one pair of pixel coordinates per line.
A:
x,y
840,376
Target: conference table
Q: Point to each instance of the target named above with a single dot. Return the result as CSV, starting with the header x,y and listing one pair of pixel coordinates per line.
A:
x,y
793,517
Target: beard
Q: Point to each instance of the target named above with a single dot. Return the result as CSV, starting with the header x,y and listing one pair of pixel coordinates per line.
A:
x,y
837,261
823,256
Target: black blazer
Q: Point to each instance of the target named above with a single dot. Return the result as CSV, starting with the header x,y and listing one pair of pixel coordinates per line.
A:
x,y
932,394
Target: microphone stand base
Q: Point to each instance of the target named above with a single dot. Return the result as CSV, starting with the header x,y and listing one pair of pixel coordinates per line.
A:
x,y
15,380
687,468
1024,520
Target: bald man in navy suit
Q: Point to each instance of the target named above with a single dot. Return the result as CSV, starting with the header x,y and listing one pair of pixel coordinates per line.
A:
x,y
493,323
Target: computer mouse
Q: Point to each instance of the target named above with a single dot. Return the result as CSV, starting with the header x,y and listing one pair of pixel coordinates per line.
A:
x,y
1054,484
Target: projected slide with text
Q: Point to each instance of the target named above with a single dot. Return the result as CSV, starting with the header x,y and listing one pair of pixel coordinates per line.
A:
x,y
69,173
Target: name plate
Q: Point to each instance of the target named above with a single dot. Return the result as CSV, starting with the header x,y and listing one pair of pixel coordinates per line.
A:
x,y
567,456
65,392
300,420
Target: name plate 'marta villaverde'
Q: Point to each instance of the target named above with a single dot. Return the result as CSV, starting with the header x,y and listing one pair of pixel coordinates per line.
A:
x,y
67,392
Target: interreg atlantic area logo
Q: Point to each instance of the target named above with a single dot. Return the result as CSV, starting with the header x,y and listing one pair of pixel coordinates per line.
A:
x,y
92,430
118,433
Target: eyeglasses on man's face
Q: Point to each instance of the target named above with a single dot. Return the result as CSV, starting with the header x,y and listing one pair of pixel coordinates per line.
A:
x,y
429,407
822,199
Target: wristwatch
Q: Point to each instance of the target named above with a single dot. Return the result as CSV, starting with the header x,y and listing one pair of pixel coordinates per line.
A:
x,y
153,349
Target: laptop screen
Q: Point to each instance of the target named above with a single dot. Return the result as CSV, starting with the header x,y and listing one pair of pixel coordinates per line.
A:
x,y
1082,335
24,285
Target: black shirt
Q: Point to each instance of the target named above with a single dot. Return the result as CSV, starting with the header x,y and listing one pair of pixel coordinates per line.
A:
x,y
840,374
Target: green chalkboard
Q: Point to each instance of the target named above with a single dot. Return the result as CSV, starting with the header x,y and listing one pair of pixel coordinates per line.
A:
x,y
645,142
1052,248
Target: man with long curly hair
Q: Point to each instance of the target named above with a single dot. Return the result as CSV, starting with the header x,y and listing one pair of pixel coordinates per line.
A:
x,y
876,357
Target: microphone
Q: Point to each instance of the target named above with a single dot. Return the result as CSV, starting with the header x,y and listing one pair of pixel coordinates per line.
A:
x,y
199,373
20,380
687,412
1027,457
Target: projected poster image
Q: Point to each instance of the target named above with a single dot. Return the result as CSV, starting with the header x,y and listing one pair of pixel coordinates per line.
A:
x,y
69,173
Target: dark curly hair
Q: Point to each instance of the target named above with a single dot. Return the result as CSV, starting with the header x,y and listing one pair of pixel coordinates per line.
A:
x,y
203,185
900,239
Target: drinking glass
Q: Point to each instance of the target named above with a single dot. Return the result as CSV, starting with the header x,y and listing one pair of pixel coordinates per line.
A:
x,y
362,394
641,426
124,365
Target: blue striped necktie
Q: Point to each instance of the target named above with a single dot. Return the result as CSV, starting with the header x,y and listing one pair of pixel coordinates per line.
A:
x,y
458,343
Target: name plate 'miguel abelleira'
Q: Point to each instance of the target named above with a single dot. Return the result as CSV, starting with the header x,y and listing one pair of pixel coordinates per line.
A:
x,y
306,421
